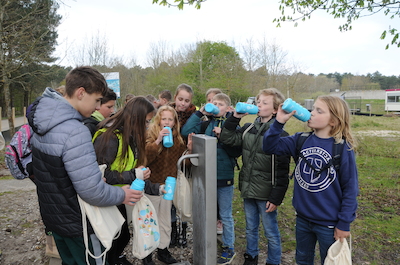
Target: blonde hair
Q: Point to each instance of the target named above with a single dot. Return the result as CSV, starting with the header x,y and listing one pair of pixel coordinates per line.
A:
x,y
340,115
278,99
223,97
155,128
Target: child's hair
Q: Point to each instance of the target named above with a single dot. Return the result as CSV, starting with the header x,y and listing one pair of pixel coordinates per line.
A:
x,y
166,94
61,90
279,98
87,77
155,127
223,97
213,90
129,97
185,87
131,121
151,98
340,114
110,95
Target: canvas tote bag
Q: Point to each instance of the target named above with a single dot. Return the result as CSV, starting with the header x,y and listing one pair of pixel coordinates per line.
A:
x,y
183,195
338,254
146,232
106,223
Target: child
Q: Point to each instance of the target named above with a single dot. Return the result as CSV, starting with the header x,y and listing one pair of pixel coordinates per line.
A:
x,y
184,107
325,202
263,179
107,105
209,96
162,162
164,97
119,143
211,93
64,162
153,100
183,103
225,169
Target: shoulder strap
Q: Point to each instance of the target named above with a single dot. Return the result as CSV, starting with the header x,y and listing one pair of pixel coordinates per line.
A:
x,y
247,129
336,154
300,141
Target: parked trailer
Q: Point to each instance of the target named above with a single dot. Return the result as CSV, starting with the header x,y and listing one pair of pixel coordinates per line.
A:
x,y
392,100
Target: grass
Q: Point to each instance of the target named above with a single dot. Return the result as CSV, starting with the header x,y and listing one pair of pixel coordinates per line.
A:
x,y
375,232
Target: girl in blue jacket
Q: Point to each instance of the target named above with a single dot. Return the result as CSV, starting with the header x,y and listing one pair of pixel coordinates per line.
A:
x,y
325,200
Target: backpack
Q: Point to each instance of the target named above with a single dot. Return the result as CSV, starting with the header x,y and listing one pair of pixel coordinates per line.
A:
x,y
19,153
336,154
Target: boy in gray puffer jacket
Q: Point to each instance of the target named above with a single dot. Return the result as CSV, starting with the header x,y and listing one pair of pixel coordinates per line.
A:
x,y
64,162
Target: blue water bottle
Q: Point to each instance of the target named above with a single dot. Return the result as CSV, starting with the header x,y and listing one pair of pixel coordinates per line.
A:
x,y
301,113
170,184
138,184
211,108
246,108
168,140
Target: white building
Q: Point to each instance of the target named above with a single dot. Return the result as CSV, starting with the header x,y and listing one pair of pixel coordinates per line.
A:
x,y
392,100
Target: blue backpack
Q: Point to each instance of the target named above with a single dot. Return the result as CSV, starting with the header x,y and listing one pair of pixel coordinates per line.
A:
x,y
19,153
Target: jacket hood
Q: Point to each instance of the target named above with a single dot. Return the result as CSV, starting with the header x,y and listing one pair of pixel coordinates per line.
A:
x,y
49,110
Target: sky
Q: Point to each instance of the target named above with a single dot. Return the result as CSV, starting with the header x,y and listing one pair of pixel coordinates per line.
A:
x,y
317,45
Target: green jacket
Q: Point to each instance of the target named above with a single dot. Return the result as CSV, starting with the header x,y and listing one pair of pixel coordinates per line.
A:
x,y
262,177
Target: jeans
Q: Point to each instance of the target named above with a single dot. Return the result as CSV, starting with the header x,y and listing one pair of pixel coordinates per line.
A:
x,y
225,197
253,209
307,234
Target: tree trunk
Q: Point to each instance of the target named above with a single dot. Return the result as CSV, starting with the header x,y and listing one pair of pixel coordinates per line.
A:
x,y
7,99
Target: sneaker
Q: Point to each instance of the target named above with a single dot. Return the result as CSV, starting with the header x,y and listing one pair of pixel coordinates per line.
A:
x,y
123,261
249,260
219,227
227,255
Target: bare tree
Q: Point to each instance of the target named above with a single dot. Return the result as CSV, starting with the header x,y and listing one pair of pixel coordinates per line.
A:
x,y
158,53
94,50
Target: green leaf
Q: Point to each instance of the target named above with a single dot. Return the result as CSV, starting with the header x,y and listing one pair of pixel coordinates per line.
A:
x,y
383,36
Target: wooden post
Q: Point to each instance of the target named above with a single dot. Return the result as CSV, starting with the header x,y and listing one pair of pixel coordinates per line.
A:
x,y
25,120
13,115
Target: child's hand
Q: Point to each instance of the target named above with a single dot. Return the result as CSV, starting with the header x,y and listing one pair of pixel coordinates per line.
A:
x,y
270,207
161,134
340,234
131,196
204,112
162,190
217,131
146,173
282,116
239,115
190,142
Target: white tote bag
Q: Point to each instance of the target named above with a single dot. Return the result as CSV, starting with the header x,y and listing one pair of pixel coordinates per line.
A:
x,y
338,254
146,232
106,223
183,197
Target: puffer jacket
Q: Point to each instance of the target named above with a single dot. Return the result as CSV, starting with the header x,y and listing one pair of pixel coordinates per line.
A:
x,y
262,177
64,165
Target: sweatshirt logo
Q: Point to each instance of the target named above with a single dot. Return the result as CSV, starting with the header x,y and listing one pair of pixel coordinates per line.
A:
x,y
307,178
